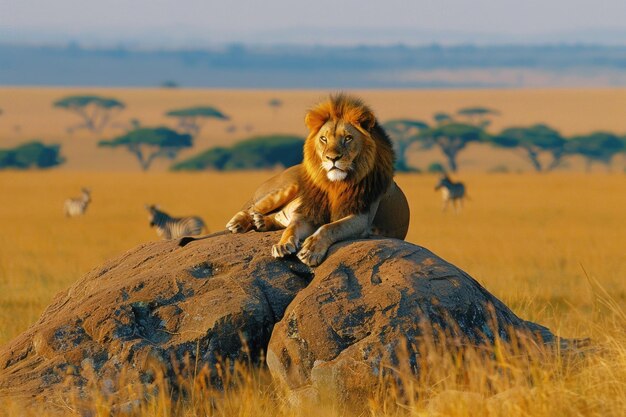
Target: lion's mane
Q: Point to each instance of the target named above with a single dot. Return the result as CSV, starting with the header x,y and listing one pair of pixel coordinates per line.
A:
x,y
324,201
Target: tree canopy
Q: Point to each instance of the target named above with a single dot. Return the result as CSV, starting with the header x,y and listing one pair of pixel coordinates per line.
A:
x,y
31,155
189,117
477,115
476,111
84,101
404,127
403,132
260,152
199,111
533,140
95,111
148,144
452,138
596,147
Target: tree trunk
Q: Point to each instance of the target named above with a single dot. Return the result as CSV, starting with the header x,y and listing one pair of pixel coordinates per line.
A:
x,y
557,157
451,157
556,161
533,157
136,150
401,153
150,159
105,119
86,117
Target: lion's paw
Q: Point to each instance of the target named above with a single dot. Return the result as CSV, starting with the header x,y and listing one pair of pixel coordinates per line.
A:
x,y
289,247
240,223
259,222
313,250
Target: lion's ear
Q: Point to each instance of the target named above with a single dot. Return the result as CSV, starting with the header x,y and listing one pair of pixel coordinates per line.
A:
x,y
367,120
315,120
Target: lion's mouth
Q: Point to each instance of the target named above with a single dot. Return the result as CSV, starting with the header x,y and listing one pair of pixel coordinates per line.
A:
x,y
336,174
335,171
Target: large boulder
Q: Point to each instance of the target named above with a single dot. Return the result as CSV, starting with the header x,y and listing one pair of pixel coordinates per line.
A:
x,y
157,302
375,303
224,297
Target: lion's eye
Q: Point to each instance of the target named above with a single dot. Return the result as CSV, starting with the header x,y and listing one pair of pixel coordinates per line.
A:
x,y
348,138
323,139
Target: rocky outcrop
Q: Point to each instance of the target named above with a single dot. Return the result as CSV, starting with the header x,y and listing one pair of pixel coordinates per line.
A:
x,y
156,302
330,326
373,299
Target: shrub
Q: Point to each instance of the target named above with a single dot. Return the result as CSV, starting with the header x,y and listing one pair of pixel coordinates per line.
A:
x,y
259,152
31,155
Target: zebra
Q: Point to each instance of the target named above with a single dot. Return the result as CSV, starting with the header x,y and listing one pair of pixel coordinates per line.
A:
x,y
77,206
451,191
168,227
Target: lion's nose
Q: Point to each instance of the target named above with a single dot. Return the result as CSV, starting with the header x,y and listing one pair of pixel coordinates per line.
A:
x,y
334,158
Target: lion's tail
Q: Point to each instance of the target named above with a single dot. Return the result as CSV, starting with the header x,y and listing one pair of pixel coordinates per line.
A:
x,y
184,241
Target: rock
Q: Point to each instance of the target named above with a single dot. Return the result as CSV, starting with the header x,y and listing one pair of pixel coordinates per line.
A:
x,y
156,302
372,299
330,328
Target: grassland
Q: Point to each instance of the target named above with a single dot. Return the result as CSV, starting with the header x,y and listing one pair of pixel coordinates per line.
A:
x,y
27,113
550,246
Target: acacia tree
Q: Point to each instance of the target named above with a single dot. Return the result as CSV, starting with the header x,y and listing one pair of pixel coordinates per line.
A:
x,y
532,141
403,133
190,118
478,116
451,138
95,111
596,147
147,144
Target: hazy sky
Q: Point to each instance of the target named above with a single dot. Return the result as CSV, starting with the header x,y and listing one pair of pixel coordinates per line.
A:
x,y
319,21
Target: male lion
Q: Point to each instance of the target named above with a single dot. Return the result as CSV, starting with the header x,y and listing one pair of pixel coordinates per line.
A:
x,y
343,189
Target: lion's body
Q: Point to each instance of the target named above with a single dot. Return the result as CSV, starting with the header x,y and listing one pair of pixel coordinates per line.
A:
x,y
343,189
276,201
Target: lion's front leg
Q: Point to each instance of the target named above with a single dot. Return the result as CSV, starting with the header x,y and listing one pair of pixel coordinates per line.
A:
x,y
265,223
292,236
315,247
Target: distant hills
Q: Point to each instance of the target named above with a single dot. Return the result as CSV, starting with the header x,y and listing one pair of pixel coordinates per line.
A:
x,y
240,66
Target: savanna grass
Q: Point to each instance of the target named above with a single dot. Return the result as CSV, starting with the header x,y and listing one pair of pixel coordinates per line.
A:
x,y
550,246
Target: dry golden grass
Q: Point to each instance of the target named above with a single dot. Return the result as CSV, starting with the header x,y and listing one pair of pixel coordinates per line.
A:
x,y
528,238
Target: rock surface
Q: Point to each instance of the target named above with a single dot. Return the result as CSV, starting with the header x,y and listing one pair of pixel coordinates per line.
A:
x,y
370,301
157,301
165,303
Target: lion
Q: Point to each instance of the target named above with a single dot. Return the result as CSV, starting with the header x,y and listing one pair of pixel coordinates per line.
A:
x,y
344,188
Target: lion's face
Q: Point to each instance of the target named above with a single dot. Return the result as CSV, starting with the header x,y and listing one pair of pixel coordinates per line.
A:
x,y
338,145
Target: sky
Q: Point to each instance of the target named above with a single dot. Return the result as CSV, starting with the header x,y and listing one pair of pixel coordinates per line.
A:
x,y
339,22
